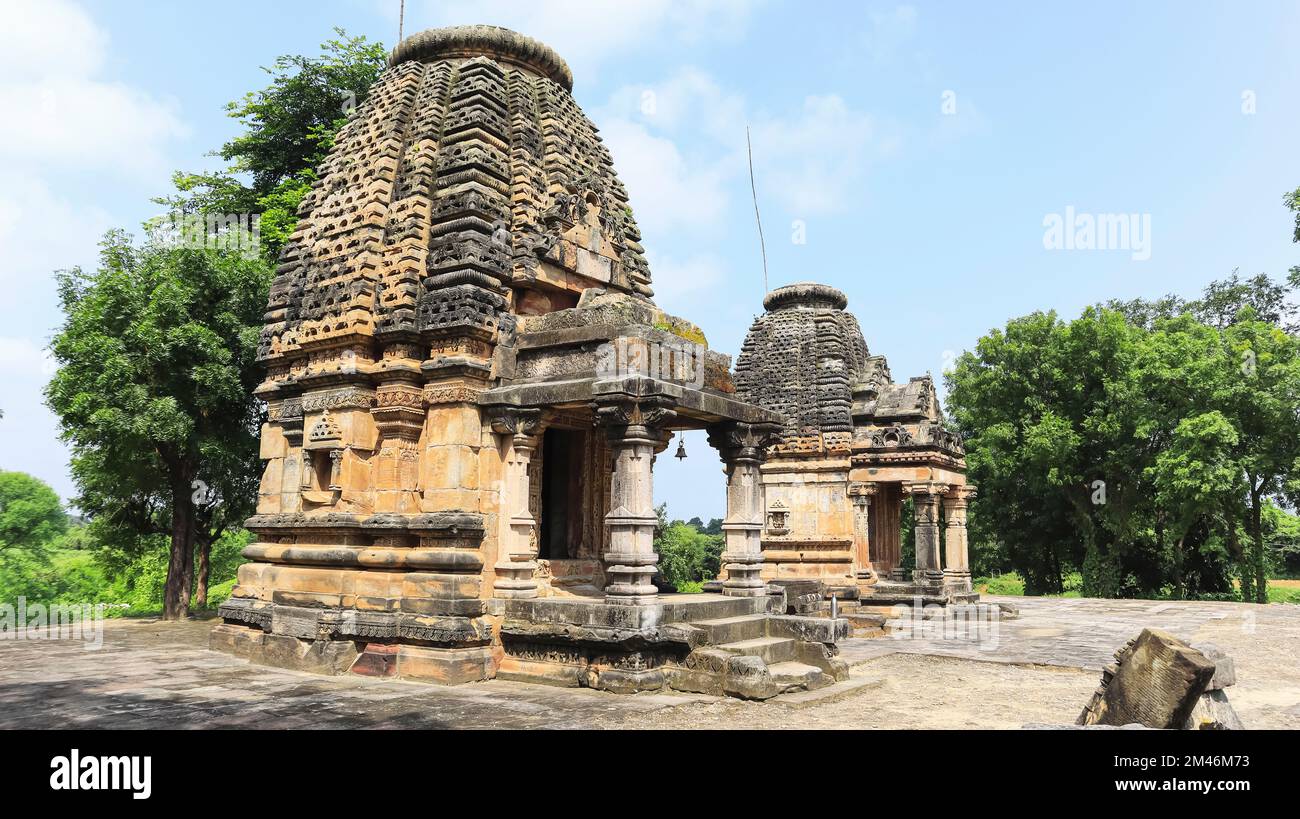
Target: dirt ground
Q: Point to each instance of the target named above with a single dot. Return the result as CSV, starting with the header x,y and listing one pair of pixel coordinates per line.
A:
x,y
1039,667
907,691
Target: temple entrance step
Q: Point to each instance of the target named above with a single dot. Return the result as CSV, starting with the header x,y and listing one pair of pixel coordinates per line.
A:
x,y
768,649
791,676
866,624
732,629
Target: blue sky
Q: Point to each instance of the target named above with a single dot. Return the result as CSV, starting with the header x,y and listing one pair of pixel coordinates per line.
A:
x,y
921,145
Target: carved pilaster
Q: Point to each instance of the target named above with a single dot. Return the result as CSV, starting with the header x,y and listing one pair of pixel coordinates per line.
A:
x,y
743,448
925,503
636,431
517,565
956,570
861,494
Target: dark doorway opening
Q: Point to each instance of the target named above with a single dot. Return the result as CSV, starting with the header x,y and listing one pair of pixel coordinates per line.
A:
x,y
563,479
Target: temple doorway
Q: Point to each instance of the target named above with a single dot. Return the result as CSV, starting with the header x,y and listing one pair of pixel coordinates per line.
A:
x,y
563,488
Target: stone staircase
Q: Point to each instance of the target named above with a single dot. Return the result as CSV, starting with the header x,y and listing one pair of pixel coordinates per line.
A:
x,y
758,656
705,643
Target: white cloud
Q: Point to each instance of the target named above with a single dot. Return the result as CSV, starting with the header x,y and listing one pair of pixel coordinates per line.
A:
x,y
63,115
67,125
677,279
813,161
44,38
21,357
668,193
690,98
809,161
41,232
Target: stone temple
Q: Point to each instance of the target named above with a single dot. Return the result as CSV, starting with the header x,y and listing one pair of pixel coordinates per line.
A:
x,y
468,383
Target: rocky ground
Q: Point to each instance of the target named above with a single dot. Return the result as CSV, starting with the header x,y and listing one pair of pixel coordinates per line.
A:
x,y
1038,668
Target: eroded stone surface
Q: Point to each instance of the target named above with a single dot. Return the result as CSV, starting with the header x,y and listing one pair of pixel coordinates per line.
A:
x,y
159,675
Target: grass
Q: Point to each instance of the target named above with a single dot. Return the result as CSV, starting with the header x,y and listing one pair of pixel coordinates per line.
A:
x,y
1280,593
1280,590
1013,585
1005,584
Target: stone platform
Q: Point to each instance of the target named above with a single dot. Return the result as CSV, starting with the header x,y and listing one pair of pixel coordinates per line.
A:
x,y
705,643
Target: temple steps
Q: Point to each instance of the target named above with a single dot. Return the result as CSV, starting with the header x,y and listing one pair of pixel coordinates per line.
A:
x,y
771,650
791,676
866,624
732,629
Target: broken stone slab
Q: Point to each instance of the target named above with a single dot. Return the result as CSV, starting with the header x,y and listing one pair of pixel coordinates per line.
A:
x,y
1225,670
1213,712
1156,681
1009,611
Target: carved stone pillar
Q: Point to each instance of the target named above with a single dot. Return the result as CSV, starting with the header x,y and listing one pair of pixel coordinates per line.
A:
x,y
861,494
743,448
956,570
517,554
925,503
635,427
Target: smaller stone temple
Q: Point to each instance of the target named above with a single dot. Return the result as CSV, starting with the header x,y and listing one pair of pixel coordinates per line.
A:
x,y
854,445
468,383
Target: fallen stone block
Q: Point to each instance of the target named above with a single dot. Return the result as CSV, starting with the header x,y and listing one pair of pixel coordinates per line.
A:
x,y
1156,681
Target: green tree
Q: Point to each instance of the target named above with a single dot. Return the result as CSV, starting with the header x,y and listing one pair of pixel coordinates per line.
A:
x,y
289,127
31,515
1262,402
1282,533
1043,412
1132,444
154,391
686,554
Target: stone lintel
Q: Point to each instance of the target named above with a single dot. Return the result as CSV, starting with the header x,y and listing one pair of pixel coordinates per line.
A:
x,y
430,524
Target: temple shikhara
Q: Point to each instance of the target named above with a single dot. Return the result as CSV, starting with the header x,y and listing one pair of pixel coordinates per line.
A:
x,y
468,383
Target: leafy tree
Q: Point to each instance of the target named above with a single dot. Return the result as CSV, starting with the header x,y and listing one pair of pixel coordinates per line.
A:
x,y
1035,405
289,127
31,514
1137,443
1222,302
1262,402
1282,533
155,393
686,555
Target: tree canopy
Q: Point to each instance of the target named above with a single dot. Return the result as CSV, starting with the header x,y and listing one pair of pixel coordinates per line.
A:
x,y
1138,443
157,350
31,513
155,392
288,128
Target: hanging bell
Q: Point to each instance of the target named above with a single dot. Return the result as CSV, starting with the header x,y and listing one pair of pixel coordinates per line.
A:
x,y
681,448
